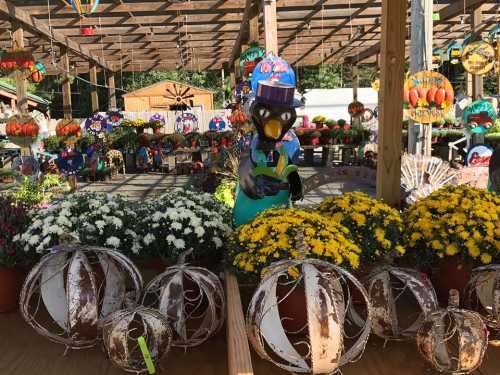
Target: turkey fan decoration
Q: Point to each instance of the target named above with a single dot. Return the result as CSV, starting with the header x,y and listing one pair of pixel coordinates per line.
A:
x,y
137,339
453,340
300,324
66,128
428,97
192,298
77,287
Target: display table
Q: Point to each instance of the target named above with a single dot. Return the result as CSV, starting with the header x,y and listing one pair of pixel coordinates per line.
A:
x,y
329,153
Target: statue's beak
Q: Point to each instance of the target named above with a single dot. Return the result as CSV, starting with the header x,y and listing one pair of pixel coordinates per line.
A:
x,y
272,129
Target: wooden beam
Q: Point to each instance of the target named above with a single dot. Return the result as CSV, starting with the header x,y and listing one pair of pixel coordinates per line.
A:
x,y
477,80
355,81
66,84
38,26
21,83
239,360
270,26
391,100
242,34
111,90
93,89
253,27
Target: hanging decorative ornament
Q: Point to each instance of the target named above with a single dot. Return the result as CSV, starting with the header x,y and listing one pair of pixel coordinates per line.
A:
x,y
483,295
87,31
453,340
385,287
478,57
114,118
137,339
250,58
273,68
192,298
84,7
217,123
77,287
25,166
479,155
186,122
96,124
37,73
454,52
428,96
356,109
297,317
479,116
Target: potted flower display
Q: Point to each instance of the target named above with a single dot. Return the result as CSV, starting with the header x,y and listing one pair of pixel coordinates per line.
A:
x,y
376,227
65,128
21,129
193,139
454,228
178,140
319,121
331,123
14,219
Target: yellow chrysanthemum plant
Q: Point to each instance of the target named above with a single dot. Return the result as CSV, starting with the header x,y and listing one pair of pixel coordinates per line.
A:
x,y
376,227
455,221
282,234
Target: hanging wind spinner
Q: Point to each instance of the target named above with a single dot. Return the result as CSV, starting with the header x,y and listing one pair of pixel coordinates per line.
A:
x,y
84,7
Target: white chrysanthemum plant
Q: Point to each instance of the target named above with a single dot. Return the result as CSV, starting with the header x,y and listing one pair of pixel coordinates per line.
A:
x,y
88,218
181,220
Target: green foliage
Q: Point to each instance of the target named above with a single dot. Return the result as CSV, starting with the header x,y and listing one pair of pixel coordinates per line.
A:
x,y
331,76
32,87
124,138
29,193
53,144
225,192
83,143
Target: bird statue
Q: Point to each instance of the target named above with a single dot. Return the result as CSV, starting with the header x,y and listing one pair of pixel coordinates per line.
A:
x,y
267,175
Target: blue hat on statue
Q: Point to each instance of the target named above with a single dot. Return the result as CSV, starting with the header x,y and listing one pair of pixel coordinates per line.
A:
x,y
277,93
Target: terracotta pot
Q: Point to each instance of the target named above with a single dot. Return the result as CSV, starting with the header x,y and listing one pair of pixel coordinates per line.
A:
x,y
293,308
453,273
11,282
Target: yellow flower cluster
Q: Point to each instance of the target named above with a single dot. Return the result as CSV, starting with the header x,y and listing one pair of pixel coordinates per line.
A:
x,y
279,234
456,220
138,123
375,226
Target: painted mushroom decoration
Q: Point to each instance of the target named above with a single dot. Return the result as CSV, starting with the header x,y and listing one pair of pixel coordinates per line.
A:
x,y
137,339
77,287
192,298
316,301
483,295
453,340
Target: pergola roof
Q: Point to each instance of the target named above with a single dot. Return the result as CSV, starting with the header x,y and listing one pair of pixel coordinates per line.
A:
x,y
201,34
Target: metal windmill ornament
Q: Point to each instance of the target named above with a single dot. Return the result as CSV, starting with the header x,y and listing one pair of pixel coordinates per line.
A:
x,y
317,300
179,96
137,339
482,294
77,287
453,340
192,298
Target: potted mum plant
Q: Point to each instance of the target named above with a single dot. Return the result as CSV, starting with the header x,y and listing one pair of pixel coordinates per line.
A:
x,y
319,121
14,220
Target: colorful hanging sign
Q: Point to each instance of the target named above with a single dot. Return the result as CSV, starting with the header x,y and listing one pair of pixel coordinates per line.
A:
x,y
96,124
479,116
273,68
114,118
217,123
250,58
454,52
70,163
428,96
84,7
186,123
479,156
478,58
243,88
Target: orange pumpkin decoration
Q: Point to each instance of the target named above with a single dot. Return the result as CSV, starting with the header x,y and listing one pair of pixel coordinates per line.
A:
x,y
36,76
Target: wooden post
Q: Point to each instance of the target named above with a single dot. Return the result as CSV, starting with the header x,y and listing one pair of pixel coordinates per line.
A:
x,y
468,78
270,26
21,83
93,93
66,84
355,81
239,360
253,34
111,90
477,80
419,136
391,100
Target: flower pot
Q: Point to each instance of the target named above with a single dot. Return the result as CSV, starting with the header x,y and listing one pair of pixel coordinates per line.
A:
x,y
453,273
292,309
11,282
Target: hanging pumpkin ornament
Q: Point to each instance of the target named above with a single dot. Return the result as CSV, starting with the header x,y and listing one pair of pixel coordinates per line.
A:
x,y
84,7
297,317
386,286
483,295
192,298
77,287
137,339
453,340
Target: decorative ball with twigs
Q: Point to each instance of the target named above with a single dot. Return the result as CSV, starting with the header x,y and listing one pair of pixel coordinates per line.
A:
x,y
77,287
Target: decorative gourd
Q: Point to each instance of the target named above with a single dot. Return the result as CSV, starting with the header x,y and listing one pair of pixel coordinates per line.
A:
x,y
77,286
318,289
193,300
453,340
122,330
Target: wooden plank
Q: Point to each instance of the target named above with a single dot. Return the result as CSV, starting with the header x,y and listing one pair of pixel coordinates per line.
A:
x,y
253,26
391,100
238,351
477,80
243,30
93,90
66,84
270,26
21,82
111,90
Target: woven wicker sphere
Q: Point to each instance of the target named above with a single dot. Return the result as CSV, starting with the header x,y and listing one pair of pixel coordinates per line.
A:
x,y
120,337
297,317
77,287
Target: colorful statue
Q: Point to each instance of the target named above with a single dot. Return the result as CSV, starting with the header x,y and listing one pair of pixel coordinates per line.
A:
x,y
267,175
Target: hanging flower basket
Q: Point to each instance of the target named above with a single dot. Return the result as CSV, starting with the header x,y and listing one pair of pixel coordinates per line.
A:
x,y
66,128
21,130
87,31
18,59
